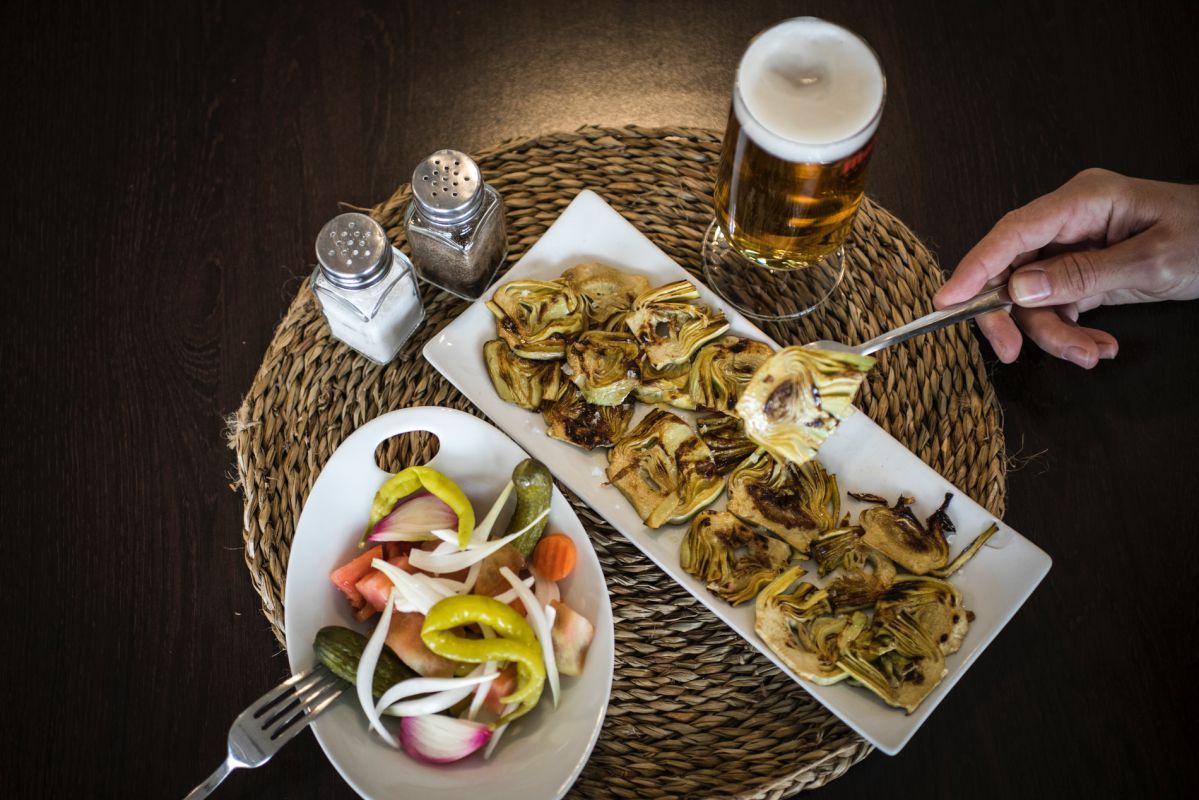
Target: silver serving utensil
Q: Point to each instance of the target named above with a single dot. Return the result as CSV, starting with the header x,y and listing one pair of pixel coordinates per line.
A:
x,y
273,720
990,300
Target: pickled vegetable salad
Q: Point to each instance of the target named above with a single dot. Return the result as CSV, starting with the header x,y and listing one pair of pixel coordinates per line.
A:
x,y
471,627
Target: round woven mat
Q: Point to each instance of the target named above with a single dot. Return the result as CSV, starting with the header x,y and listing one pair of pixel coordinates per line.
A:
x,y
695,711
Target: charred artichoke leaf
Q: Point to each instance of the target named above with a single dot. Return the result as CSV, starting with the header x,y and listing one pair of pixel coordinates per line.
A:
x,y
773,624
903,675
667,385
795,502
721,370
725,437
733,559
604,366
830,549
855,590
932,604
664,470
897,534
967,554
537,318
575,421
670,327
797,398
522,381
607,293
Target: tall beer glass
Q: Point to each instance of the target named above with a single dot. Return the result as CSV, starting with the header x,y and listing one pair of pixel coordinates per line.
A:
x,y
807,101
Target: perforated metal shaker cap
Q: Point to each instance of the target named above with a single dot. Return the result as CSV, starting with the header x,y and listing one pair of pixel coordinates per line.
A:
x,y
447,187
353,251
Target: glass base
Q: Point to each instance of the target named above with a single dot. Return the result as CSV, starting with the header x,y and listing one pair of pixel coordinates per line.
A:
x,y
763,293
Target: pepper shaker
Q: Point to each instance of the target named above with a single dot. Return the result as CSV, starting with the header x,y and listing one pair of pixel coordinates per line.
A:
x,y
455,225
366,287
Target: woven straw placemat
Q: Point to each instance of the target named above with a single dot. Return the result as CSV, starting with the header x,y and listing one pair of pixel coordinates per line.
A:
x,y
695,711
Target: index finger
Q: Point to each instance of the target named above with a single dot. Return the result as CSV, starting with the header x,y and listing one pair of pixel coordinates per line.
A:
x,y
1022,231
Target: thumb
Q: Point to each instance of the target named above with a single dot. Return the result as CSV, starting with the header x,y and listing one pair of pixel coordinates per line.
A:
x,y
1079,274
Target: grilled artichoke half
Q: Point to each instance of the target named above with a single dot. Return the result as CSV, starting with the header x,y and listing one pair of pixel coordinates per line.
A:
x,y
725,437
806,645
667,385
537,318
797,398
896,660
796,502
522,381
664,470
721,370
572,419
607,293
604,366
669,327
935,606
734,560
897,534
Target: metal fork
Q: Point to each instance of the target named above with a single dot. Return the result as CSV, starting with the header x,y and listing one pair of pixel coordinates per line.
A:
x,y
990,300
272,720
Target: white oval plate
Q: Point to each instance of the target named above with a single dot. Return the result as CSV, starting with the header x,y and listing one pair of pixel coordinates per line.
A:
x,y
542,753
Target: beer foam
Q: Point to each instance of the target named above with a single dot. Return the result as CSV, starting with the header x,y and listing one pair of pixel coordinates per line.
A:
x,y
808,90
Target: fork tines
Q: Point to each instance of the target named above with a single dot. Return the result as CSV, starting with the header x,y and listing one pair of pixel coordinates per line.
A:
x,y
302,695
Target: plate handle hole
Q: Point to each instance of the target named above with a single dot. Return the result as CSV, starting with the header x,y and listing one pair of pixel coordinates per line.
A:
x,y
406,450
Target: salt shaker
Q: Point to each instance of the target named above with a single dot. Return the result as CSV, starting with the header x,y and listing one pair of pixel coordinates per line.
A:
x,y
365,287
455,225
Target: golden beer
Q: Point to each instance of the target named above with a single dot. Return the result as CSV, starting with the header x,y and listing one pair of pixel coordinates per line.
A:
x,y
785,214
807,102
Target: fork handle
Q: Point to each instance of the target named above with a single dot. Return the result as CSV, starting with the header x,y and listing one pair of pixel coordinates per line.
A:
x,y
990,300
206,788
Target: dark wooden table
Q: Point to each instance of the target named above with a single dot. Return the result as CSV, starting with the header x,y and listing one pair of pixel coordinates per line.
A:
x,y
166,171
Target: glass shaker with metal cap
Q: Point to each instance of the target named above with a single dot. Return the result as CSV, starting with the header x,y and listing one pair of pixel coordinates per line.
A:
x,y
365,287
455,225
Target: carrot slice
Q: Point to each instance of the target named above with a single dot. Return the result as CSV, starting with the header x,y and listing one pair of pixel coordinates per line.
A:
x,y
554,557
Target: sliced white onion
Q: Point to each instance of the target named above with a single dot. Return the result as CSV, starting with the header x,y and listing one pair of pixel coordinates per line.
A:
x,y
442,587
452,562
537,618
414,594
489,668
472,577
438,739
545,591
365,677
511,594
483,530
441,693
446,535
446,547
497,733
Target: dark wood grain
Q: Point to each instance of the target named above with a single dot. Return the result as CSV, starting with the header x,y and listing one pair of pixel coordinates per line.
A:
x,y
167,168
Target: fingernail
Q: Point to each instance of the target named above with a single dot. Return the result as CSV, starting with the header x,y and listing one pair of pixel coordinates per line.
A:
x,y
1076,355
1107,350
1029,286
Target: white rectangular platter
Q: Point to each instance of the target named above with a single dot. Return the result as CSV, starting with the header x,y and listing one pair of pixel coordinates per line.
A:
x,y
864,457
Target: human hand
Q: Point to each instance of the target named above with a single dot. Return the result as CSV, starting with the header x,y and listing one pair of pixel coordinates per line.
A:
x,y
1101,239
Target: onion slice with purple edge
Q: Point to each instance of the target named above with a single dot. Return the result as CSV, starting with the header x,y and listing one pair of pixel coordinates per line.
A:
x,y
365,677
541,626
441,693
438,739
413,519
